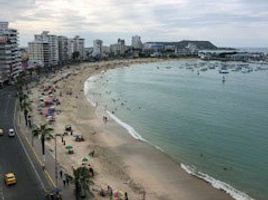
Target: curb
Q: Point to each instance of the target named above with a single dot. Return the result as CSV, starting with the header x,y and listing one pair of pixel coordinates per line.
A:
x,y
20,135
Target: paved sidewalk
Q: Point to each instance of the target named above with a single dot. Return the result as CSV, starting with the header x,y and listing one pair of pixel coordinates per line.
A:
x,y
67,191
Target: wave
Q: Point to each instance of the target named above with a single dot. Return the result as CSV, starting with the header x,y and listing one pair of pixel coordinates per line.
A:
x,y
89,85
129,128
220,185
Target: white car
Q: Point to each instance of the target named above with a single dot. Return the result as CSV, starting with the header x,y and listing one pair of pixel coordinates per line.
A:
x,y
11,132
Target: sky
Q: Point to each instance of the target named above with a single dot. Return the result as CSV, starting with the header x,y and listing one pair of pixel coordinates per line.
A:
x,y
226,23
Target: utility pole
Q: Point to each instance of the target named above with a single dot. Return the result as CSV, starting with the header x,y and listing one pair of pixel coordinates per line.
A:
x,y
56,163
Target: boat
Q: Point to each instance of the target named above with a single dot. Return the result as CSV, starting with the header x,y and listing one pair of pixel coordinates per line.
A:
x,y
203,69
223,71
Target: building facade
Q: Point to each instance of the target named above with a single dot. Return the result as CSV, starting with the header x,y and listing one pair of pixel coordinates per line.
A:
x,y
10,61
97,48
136,42
44,48
79,46
39,52
63,49
118,49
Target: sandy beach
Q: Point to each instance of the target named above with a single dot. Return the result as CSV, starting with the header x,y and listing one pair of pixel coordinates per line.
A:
x,y
120,161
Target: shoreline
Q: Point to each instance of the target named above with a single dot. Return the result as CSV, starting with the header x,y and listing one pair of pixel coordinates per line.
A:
x,y
121,161
191,170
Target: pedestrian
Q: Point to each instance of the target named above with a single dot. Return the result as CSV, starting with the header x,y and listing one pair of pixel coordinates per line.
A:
x,y
64,182
71,131
91,171
126,196
62,138
67,180
60,173
64,142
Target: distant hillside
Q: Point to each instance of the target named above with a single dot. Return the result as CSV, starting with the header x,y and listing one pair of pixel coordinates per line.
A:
x,y
185,43
199,44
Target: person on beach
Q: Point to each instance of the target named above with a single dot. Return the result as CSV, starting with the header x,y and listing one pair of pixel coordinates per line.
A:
x,y
126,196
110,192
91,171
64,181
67,179
60,173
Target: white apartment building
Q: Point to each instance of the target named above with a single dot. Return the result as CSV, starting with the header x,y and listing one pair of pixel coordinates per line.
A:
x,y
97,48
136,42
79,46
39,52
10,61
76,44
45,45
118,49
63,49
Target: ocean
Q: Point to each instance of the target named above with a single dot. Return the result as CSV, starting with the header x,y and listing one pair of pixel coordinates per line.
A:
x,y
216,129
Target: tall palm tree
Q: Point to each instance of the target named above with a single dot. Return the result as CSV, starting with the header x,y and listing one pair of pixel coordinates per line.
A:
x,y
82,181
26,107
44,132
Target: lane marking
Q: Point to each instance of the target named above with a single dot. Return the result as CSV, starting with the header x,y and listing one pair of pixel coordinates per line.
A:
x,y
25,151
39,161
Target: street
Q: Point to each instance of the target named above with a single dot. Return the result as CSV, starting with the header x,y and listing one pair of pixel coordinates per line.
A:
x,y
13,157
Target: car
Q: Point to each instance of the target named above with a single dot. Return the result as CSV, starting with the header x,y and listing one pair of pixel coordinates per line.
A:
x,y
10,178
1,132
11,132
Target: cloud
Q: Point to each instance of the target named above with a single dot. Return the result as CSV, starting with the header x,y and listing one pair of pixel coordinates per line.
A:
x,y
225,22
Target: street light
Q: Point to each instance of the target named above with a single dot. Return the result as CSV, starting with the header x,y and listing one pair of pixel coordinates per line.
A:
x,y
56,164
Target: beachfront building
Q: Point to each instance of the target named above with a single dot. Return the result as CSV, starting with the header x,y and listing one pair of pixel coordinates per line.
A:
x,y
44,48
136,42
63,49
97,48
78,45
39,52
10,61
118,49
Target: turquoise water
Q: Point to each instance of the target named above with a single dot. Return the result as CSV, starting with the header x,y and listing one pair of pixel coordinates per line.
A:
x,y
219,129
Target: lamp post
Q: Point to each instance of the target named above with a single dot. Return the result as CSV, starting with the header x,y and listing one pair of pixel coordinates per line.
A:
x,y
57,190
56,163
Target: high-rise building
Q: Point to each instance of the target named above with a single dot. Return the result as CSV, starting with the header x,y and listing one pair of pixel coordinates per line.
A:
x,y
63,49
136,42
39,52
10,61
118,49
45,45
70,48
79,46
97,48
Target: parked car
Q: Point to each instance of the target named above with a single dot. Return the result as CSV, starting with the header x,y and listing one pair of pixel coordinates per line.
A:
x,y
1,132
10,178
11,132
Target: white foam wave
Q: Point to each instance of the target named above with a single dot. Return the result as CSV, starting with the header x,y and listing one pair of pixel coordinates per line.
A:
x,y
236,194
89,84
130,129
220,185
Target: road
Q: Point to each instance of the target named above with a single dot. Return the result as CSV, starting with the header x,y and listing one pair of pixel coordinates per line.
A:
x,y
14,159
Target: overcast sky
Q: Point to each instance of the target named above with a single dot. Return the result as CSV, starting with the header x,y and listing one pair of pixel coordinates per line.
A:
x,y
236,23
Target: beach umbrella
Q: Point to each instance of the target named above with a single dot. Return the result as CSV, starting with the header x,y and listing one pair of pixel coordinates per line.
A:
x,y
85,160
68,147
118,195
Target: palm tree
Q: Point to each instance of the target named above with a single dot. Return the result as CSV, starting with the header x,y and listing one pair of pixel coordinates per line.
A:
x,y
26,107
44,132
82,181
